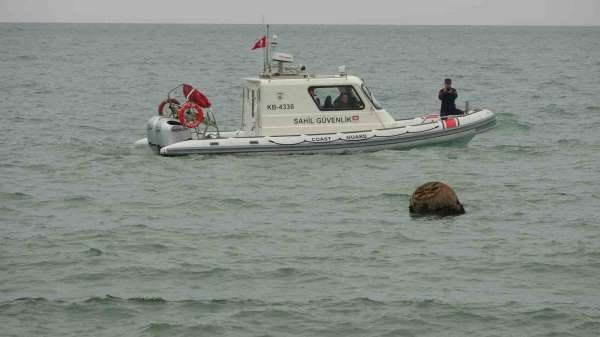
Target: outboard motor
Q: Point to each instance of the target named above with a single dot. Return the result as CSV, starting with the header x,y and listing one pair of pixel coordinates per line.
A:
x,y
150,133
163,131
176,121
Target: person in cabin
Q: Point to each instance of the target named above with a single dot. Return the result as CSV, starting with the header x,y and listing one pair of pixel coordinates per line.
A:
x,y
448,95
342,102
346,94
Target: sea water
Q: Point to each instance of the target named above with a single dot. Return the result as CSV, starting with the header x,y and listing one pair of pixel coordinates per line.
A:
x,y
98,238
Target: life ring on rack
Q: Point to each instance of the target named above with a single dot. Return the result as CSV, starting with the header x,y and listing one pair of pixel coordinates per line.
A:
x,y
164,103
194,95
193,110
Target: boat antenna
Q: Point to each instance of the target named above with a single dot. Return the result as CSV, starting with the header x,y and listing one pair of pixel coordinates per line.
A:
x,y
268,52
266,42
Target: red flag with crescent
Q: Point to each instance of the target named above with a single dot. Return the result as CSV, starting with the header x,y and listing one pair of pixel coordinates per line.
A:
x,y
261,43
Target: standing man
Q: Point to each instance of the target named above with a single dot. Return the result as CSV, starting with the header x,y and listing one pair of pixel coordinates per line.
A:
x,y
448,95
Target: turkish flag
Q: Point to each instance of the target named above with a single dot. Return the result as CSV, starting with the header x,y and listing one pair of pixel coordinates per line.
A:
x,y
261,43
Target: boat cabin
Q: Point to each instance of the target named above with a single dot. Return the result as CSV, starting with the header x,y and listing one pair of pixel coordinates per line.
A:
x,y
308,105
292,102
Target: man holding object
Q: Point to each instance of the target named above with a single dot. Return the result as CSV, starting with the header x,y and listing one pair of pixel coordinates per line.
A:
x,y
448,95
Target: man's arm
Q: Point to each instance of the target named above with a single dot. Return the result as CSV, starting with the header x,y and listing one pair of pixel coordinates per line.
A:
x,y
441,94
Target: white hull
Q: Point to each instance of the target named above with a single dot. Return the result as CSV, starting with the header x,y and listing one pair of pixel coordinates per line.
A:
x,y
420,131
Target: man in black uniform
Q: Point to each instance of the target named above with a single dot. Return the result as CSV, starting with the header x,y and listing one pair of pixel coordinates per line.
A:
x,y
346,100
448,95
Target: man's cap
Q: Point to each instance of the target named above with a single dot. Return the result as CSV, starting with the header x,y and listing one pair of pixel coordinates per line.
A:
x,y
447,81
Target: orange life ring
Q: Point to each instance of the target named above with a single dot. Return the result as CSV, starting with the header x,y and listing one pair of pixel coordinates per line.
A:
x,y
162,105
194,95
185,111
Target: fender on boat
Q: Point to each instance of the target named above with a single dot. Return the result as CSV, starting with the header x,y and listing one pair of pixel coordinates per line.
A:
x,y
450,123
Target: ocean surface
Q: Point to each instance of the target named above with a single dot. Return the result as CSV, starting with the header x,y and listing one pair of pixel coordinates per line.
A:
x,y
98,238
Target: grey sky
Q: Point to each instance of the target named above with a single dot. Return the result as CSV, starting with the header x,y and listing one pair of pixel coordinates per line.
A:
x,y
402,12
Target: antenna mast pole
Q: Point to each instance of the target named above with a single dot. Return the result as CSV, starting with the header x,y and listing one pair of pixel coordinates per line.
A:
x,y
268,52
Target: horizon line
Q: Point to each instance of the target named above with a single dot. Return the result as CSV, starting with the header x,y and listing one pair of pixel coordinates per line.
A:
x,y
299,24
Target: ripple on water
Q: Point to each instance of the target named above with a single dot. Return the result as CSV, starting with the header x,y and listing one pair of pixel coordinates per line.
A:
x,y
545,314
592,108
174,329
93,252
18,196
239,203
394,196
552,109
147,300
508,122
522,149
570,142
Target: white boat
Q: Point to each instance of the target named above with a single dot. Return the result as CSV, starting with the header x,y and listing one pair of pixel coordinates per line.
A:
x,y
287,110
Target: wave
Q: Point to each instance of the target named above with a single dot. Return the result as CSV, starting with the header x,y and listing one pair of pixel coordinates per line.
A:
x,y
137,273
351,235
103,300
392,195
15,196
592,108
26,57
78,198
174,329
547,313
464,315
239,202
31,299
521,149
401,238
510,122
270,314
147,300
569,141
140,300
539,267
93,252
552,109
284,272
385,314
94,128
234,301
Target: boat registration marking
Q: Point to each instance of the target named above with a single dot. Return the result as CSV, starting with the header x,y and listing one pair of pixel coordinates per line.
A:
x,y
283,106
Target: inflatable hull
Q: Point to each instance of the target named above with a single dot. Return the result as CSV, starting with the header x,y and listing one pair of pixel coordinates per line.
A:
x,y
420,131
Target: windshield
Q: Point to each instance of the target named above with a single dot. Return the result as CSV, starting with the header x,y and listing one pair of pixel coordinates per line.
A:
x,y
372,98
340,97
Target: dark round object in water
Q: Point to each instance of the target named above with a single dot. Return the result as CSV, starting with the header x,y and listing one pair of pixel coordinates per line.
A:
x,y
435,198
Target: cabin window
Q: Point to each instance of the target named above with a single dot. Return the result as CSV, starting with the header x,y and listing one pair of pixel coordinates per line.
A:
x,y
253,98
372,98
339,97
243,106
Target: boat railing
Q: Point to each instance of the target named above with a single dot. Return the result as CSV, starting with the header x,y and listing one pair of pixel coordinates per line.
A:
x,y
210,121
